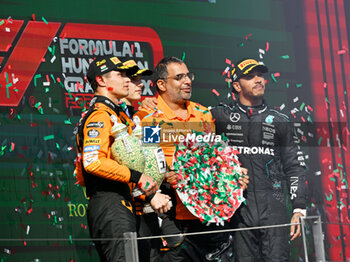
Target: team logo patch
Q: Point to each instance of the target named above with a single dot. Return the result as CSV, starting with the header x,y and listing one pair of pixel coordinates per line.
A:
x,y
92,141
91,148
96,124
151,134
246,63
93,133
235,117
269,119
98,63
103,68
115,60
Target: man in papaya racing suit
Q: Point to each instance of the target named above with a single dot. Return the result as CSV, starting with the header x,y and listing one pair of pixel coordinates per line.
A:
x,y
264,139
110,210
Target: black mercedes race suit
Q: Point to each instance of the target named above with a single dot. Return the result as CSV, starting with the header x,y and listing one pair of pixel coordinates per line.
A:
x,y
265,142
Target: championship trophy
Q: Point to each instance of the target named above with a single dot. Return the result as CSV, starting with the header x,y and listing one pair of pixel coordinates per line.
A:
x,y
208,175
129,150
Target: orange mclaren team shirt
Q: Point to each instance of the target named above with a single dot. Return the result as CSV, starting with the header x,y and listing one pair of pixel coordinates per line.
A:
x,y
98,139
172,127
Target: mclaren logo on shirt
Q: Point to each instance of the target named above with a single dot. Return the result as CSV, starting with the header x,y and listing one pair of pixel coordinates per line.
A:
x,y
255,150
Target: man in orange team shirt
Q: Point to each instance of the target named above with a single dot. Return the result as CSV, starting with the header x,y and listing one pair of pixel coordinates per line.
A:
x,y
177,115
111,209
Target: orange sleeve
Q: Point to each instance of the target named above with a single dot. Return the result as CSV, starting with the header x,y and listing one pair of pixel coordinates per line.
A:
x,y
79,172
96,155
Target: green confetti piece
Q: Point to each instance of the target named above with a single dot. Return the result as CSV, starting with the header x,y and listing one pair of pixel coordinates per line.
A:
x,y
319,140
67,122
273,78
340,165
36,77
183,56
284,56
44,20
49,137
58,146
161,122
2,22
61,84
49,48
47,90
70,95
70,239
302,106
309,119
287,85
19,117
333,179
7,92
7,77
327,100
53,78
240,44
299,85
329,198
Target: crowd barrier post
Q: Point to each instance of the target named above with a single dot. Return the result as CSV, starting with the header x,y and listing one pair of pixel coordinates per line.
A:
x,y
130,247
317,236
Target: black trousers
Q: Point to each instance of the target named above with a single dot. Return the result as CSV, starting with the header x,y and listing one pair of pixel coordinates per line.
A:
x,y
194,248
109,216
149,249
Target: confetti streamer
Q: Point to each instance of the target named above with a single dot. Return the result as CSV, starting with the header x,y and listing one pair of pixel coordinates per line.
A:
x,y
183,56
35,78
49,137
44,20
247,36
215,92
285,57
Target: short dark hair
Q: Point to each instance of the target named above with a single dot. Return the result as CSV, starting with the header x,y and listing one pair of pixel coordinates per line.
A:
x,y
161,71
93,82
93,85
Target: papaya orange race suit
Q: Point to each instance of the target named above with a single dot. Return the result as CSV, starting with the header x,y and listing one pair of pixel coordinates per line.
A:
x,y
110,210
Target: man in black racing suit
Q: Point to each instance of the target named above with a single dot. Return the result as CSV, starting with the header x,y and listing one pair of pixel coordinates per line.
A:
x,y
264,139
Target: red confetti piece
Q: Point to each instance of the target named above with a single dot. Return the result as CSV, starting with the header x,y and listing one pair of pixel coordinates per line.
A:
x,y
247,36
215,92
267,46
